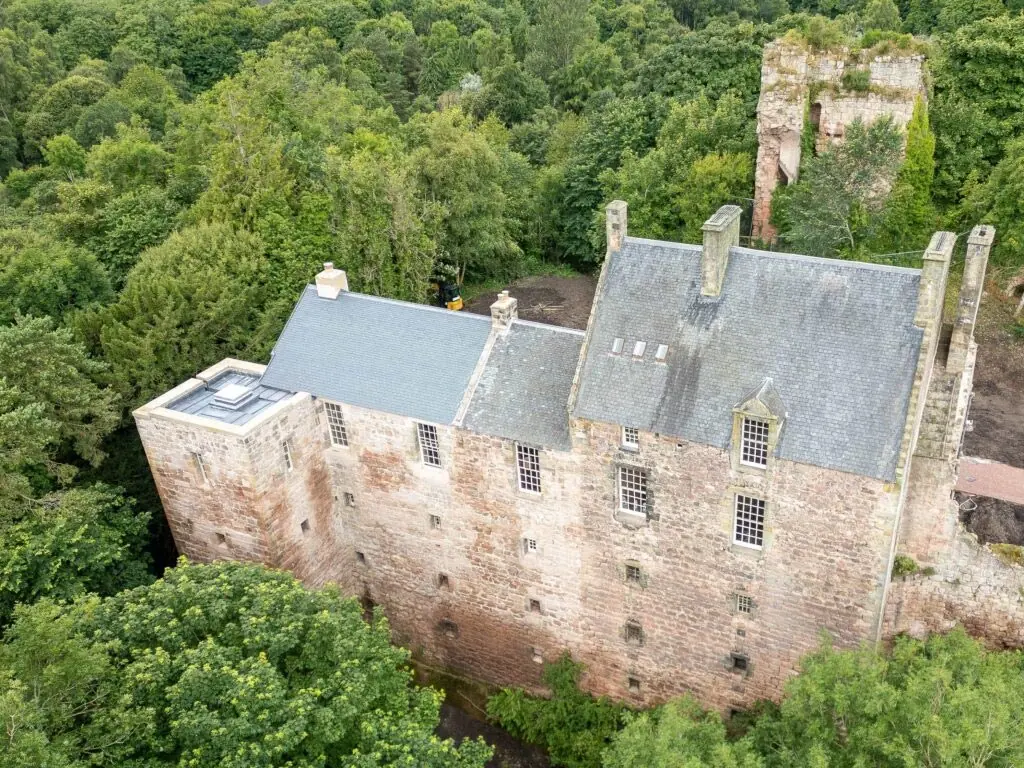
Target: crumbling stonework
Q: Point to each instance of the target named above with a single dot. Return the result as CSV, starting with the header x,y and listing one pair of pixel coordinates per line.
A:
x,y
800,85
962,581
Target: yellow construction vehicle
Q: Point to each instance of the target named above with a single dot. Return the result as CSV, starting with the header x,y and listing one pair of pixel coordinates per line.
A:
x,y
448,295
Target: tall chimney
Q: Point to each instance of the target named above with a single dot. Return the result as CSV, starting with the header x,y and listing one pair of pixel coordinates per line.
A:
x,y
979,243
504,311
721,232
931,294
615,224
331,282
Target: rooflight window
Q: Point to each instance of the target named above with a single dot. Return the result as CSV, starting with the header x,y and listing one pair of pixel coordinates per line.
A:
x,y
639,348
662,353
617,346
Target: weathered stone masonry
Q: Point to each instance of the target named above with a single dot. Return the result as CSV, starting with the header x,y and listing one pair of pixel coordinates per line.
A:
x,y
487,579
799,85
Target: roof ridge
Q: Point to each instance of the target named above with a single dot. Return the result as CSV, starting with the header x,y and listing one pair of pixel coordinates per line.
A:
x,y
845,263
665,243
549,327
400,302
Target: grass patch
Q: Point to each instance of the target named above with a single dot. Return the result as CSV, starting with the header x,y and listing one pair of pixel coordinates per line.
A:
x,y
1010,554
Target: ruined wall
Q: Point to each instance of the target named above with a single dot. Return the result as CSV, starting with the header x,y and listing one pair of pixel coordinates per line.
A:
x,y
798,84
962,581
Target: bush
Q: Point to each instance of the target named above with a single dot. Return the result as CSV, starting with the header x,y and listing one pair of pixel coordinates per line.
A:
x,y
857,80
572,726
904,566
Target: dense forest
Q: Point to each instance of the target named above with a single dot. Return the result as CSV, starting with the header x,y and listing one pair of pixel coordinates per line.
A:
x,y
171,173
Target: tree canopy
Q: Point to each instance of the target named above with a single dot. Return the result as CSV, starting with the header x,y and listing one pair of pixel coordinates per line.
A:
x,y
216,665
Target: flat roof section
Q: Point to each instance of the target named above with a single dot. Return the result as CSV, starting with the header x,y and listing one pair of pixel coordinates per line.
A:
x,y
241,398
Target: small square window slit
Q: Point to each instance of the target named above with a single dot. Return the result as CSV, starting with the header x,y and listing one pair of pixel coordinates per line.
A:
x,y
361,558
435,522
529,546
634,633
449,628
222,540
633,574
442,581
286,451
634,684
350,499
535,606
304,526
739,662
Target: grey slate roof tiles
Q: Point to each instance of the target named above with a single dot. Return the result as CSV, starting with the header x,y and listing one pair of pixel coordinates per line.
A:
x,y
523,392
837,338
406,359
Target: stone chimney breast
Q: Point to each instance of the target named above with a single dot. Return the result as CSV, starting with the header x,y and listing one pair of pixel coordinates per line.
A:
x,y
615,224
331,282
721,232
504,312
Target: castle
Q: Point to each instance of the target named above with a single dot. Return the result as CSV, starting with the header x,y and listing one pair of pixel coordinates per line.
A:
x,y
817,94
724,465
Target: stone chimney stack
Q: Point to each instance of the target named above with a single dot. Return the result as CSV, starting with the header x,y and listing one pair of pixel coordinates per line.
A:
x,y
504,312
331,282
615,224
721,232
932,292
979,243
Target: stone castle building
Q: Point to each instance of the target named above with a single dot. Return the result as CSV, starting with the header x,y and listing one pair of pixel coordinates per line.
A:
x,y
828,90
684,496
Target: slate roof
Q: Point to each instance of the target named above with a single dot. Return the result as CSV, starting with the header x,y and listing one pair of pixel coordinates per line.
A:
x,y
406,359
203,401
523,391
837,338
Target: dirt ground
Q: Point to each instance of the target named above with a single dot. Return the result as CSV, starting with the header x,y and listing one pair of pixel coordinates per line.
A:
x,y
991,520
997,410
508,752
551,299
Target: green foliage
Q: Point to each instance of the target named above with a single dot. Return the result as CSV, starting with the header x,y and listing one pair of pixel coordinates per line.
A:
x,y
856,80
837,207
1000,201
1010,554
43,276
679,734
571,725
195,299
945,701
219,665
68,544
882,15
910,215
903,565
51,407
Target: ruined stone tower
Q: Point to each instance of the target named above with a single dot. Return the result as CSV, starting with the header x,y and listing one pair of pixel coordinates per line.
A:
x,y
830,90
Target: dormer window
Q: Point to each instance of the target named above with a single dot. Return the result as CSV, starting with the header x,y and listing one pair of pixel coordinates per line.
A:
x,y
754,442
756,425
